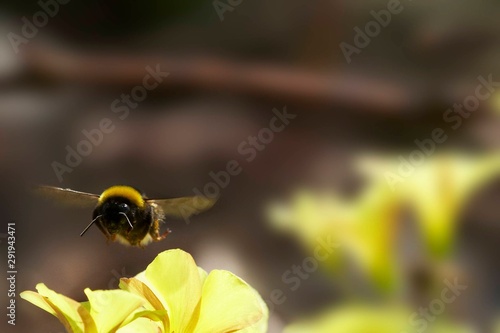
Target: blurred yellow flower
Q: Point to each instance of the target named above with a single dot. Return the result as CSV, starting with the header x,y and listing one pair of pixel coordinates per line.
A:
x,y
436,190
171,295
439,190
364,228
369,319
355,319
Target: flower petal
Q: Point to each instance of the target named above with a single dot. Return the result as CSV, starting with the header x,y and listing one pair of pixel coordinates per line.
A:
x,y
439,190
203,275
38,300
228,304
261,325
72,314
175,276
137,287
110,308
140,325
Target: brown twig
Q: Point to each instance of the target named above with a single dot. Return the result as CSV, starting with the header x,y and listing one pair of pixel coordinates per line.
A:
x,y
330,89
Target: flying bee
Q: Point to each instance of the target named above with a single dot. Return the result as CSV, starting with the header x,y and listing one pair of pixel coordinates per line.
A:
x,y
125,214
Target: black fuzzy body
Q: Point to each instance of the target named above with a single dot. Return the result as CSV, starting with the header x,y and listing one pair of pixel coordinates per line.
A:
x,y
113,221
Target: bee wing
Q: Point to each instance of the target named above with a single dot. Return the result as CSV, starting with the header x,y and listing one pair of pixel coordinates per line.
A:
x,y
183,207
66,195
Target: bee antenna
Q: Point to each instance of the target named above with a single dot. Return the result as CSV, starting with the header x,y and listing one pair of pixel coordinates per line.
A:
x,y
130,223
90,224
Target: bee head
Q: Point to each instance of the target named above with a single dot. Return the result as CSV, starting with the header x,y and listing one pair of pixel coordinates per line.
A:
x,y
115,216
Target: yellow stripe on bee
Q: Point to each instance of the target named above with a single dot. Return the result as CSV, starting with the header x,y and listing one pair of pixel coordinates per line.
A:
x,y
122,191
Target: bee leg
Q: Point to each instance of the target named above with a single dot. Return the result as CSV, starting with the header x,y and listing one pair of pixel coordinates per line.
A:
x,y
110,238
157,237
155,232
164,235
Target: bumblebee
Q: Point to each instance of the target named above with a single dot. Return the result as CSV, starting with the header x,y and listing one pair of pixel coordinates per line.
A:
x,y
125,214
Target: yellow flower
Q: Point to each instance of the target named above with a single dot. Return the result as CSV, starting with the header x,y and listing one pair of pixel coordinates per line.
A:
x,y
172,295
196,301
439,190
436,191
363,228
366,227
355,319
106,311
369,319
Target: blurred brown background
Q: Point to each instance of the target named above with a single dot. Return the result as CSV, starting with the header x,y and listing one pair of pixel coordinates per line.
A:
x,y
225,79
